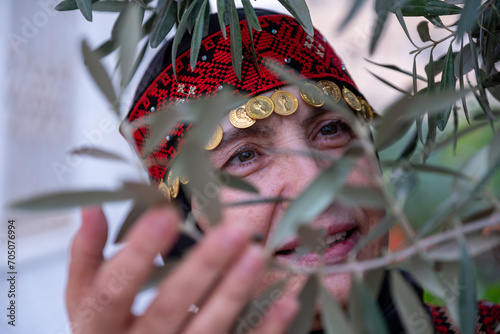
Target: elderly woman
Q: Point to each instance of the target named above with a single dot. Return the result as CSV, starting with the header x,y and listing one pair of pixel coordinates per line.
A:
x,y
207,291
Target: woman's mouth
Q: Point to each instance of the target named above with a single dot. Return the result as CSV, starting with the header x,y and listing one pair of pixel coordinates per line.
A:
x,y
334,249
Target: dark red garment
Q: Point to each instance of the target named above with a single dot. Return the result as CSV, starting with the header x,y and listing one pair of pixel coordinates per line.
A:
x,y
488,319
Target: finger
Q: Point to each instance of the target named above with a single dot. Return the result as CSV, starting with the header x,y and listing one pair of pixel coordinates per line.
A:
x,y
220,311
279,318
86,255
191,280
118,281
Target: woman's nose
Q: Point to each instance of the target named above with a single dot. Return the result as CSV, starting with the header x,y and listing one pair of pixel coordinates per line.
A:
x,y
296,171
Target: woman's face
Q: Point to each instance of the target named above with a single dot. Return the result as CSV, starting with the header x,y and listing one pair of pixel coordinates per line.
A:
x,y
263,155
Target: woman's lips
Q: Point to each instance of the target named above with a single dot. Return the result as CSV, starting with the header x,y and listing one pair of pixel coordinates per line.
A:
x,y
339,245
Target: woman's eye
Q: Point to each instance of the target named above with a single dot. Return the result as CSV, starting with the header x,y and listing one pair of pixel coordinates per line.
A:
x,y
330,129
243,156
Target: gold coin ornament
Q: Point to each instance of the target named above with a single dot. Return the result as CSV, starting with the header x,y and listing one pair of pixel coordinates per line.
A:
x,y
366,112
285,103
312,95
330,89
240,119
174,188
215,140
351,99
259,107
173,184
163,188
183,179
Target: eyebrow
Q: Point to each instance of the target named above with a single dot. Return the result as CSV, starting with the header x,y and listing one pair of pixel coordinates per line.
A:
x,y
253,131
314,113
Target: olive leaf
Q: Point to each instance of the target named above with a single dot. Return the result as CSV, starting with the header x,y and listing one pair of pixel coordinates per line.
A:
x,y
467,299
178,35
333,318
409,306
307,298
429,7
448,83
85,7
100,76
423,31
235,36
137,210
197,35
361,196
426,276
356,6
71,199
468,17
97,153
66,5
128,38
300,11
109,6
167,17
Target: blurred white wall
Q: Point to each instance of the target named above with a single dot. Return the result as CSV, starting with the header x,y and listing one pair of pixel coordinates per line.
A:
x,y
49,105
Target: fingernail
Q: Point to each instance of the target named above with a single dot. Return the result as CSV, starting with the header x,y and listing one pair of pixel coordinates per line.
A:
x,y
233,238
251,261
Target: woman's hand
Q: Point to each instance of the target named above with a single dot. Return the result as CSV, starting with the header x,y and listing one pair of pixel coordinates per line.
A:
x,y
217,276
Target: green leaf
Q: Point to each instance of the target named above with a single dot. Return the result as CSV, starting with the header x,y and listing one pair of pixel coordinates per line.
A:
x,y
159,273
100,76
85,7
423,31
160,122
381,8
164,23
192,18
401,20
261,305
332,316
235,35
365,310
304,17
409,306
137,210
429,7
378,231
307,298
98,153
178,36
467,298
251,17
468,17
137,62
109,6
397,69
452,250
461,73
221,12
426,168
128,38
68,5
235,182
494,151
448,83
197,35
356,6
314,200
71,199
361,196
426,276
301,14
401,90
374,279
